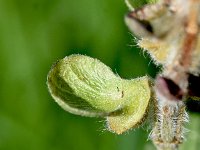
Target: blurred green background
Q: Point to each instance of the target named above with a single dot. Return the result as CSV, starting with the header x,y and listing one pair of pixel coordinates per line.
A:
x,y
36,33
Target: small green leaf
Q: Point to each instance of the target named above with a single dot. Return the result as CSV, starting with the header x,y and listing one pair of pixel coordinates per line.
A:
x,y
85,86
140,3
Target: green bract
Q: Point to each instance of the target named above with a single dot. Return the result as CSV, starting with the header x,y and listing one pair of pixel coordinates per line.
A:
x,y
137,93
85,86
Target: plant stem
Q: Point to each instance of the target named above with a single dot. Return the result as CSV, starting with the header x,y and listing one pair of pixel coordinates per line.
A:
x,y
168,131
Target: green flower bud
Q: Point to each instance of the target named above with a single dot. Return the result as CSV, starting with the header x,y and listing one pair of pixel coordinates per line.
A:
x,y
85,86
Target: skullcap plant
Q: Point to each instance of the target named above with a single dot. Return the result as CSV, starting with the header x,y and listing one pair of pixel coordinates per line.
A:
x,y
169,32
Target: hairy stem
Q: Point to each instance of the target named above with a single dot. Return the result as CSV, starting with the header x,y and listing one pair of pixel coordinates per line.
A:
x,y
168,131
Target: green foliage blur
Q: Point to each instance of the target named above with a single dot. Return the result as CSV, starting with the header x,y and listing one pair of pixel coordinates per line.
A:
x,y
36,33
